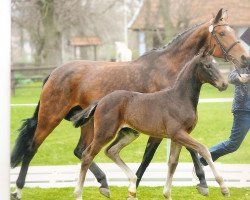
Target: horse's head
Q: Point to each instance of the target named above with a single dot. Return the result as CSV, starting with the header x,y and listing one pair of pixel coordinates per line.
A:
x,y
208,72
225,41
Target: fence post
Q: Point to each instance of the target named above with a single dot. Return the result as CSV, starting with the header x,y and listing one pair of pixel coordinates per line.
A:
x,y
13,82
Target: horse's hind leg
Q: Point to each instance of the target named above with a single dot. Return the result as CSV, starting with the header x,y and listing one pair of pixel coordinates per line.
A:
x,y
45,126
202,186
151,147
186,140
86,137
125,137
172,164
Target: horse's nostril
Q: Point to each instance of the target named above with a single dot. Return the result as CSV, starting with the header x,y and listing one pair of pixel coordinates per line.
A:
x,y
224,85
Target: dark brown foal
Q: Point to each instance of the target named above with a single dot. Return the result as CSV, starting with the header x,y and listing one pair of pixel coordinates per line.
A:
x,y
171,113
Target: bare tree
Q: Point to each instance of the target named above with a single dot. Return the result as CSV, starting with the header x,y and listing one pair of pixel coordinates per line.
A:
x,y
47,21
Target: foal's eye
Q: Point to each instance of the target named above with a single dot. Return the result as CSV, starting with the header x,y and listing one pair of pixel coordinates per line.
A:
x,y
222,34
208,66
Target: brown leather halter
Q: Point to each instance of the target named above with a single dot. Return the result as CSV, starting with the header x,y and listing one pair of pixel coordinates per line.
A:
x,y
225,51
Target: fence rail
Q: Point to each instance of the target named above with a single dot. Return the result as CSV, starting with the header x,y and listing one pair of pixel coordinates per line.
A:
x,y
35,73
38,73
235,175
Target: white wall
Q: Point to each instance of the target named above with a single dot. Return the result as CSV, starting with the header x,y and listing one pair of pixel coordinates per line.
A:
x,y
4,99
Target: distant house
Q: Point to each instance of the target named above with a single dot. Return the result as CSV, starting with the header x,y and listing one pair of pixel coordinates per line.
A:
x,y
149,22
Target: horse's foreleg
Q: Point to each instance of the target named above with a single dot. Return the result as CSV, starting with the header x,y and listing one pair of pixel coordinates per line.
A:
x,y
202,186
124,138
172,164
186,140
85,139
151,147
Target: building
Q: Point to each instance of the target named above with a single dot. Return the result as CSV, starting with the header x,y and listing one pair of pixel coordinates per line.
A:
x,y
149,24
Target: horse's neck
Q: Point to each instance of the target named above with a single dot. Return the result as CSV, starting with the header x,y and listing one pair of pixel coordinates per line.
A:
x,y
187,86
189,46
167,63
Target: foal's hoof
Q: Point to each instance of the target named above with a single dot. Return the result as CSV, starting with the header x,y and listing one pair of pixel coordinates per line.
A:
x,y
202,190
105,192
168,197
132,198
225,192
13,196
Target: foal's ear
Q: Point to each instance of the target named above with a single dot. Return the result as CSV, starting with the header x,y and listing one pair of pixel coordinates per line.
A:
x,y
211,51
204,51
218,16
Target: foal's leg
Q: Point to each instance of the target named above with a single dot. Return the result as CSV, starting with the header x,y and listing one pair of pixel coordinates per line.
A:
x,y
149,152
87,133
124,138
172,164
202,186
186,140
88,155
104,132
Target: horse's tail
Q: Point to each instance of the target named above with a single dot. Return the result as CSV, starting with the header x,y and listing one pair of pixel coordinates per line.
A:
x,y
82,117
26,135
24,140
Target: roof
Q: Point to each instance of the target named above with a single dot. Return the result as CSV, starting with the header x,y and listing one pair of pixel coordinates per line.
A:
x,y
85,41
197,11
147,17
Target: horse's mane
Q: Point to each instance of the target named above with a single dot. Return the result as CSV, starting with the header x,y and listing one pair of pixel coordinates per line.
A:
x,y
176,40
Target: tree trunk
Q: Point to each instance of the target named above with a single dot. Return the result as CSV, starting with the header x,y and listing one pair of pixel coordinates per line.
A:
x,y
51,54
165,12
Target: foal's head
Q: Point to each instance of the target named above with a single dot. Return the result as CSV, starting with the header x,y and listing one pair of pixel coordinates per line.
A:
x,y
208,72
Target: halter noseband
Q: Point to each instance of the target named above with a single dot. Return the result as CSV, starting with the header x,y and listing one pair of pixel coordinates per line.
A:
x,y
225,51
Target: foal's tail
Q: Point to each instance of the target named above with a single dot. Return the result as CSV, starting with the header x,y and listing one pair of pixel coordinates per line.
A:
x,y
84,116
26,135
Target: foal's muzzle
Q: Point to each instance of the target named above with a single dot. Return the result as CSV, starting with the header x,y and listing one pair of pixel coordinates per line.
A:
x,y
222,86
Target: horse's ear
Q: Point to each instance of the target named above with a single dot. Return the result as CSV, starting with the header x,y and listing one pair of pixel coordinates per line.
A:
x,y
224,15
218,16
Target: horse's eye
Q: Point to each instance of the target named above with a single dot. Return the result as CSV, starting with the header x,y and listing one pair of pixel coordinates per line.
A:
x,y
208,66
222,34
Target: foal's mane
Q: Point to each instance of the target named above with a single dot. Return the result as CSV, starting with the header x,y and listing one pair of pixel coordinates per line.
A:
x,y
176,41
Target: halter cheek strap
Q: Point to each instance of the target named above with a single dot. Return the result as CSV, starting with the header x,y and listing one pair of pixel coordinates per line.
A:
x,y
225,51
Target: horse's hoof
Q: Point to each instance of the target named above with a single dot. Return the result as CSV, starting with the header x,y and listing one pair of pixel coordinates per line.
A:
x,y
105,192
13,196
202,190
225,192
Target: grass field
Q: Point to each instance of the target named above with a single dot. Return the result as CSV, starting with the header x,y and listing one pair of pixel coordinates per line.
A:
x,y
144,193
214,125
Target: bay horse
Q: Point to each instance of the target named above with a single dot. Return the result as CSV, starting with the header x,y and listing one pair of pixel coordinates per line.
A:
x,y
73,86
170,113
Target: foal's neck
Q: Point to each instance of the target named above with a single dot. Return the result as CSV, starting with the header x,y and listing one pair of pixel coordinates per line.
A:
x,y
187,86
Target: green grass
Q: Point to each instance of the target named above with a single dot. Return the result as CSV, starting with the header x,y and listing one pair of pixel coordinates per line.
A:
x,y
214,125
144,193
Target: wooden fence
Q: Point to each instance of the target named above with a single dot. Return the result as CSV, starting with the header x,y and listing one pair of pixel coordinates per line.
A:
x,y
38,73
35,73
